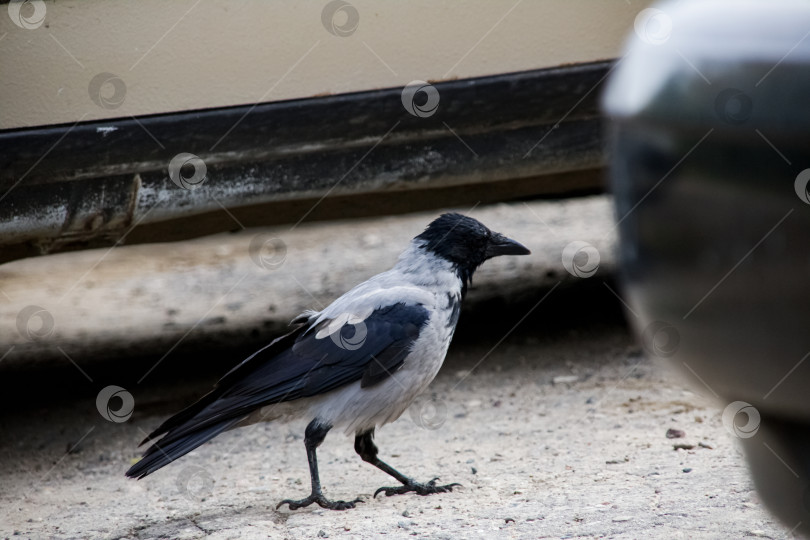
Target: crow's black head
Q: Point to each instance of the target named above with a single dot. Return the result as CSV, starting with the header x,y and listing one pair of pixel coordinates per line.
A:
x,y
466,243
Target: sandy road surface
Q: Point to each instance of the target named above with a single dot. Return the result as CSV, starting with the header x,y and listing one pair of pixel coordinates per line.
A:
x,y
558,433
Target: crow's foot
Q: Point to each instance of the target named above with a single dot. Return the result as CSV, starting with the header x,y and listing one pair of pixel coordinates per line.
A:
x,y
418,488
322,501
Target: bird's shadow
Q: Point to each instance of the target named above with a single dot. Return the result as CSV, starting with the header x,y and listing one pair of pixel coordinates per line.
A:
x,y
207,521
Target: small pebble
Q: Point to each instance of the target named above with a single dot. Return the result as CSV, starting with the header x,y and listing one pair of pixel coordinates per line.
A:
x,y
323,534
683,446
675,434
474,470
688,469
507,520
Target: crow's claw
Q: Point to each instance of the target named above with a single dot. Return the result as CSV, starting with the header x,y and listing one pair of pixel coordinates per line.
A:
x,y
322,501
418,488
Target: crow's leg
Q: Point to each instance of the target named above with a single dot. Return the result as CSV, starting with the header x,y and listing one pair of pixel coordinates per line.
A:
x,y
367,450
313,437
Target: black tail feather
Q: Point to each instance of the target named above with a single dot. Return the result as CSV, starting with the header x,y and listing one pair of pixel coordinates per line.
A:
x,y
158,455
242,370
182,417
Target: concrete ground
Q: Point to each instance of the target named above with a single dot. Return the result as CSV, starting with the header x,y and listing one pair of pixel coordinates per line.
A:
x,y
174,298
547,412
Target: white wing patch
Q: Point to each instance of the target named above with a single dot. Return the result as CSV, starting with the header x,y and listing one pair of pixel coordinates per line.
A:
x,y
344,318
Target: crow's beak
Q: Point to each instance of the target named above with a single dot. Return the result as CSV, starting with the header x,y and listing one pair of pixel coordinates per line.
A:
x,y
501,245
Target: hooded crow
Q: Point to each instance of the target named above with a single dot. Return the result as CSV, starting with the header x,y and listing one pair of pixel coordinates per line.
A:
x,y
356,365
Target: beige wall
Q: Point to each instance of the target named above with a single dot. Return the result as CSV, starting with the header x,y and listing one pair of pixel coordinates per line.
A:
x,y
189,54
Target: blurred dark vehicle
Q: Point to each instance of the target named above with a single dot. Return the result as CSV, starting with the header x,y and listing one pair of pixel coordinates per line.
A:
x,y
710,157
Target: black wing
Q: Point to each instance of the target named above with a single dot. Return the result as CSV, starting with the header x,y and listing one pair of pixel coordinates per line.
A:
x,y
304,363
